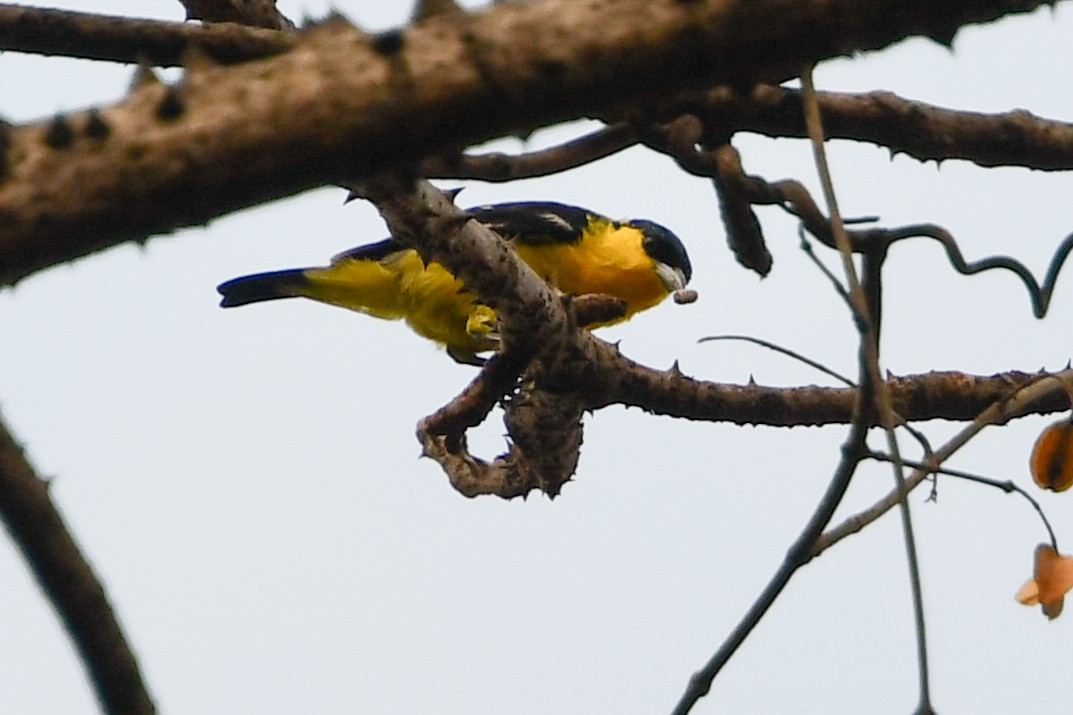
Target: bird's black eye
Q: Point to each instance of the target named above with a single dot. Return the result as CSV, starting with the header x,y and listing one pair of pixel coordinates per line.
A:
x,y
662,245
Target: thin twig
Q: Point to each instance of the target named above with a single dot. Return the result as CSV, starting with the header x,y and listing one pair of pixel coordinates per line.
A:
x,y
806,246
499,167
785,351
1045,387
1008,485
798,554
866,296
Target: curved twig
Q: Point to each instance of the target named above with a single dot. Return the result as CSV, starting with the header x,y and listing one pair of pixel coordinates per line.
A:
x,y
500,167
1039,295
784,351
1008,486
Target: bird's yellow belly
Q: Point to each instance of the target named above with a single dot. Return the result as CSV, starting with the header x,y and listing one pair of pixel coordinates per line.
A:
x,y
428,298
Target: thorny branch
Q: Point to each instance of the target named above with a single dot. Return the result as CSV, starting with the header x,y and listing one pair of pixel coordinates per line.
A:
x,y
343,104
538,333
135,41
916,129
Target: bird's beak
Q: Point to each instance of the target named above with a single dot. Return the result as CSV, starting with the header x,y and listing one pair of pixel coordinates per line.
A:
x,y
673,278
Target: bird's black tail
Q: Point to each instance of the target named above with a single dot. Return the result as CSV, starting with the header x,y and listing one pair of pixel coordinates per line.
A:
x,y
262,287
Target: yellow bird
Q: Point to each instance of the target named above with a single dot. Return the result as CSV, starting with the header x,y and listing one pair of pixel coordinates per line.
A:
x,y
575,250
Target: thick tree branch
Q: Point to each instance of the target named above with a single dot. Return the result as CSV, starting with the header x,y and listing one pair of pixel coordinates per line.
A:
x,y
69,582
905,126
919,130
123,39
342,104
615,379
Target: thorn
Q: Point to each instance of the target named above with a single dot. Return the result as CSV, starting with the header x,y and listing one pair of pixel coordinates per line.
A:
x,y
893,153
435,8
452,194
59,134
96,127
144,76
171,107
335,16
675,371
195,58
752,380
945,38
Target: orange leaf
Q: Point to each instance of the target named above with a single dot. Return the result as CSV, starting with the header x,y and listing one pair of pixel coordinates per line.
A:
x,y
1051,580
1052,457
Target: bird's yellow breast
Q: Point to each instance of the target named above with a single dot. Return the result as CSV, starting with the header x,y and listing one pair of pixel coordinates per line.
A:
x,y
608,259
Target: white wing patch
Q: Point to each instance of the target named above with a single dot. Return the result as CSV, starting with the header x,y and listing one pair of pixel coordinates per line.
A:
x,y
557,220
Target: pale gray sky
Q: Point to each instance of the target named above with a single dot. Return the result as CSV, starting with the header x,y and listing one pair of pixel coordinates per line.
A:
x,y
247,482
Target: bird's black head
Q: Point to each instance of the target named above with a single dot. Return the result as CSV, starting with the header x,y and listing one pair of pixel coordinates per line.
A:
x,y
664,246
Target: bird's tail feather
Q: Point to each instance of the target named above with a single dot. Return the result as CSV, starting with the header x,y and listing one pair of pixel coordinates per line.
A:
x,y
262,287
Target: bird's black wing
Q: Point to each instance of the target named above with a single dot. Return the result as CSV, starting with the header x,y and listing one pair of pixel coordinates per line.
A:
x,y
530,222
370,252
534,222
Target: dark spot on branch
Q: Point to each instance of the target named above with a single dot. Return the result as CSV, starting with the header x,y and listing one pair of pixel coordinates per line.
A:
x,y
96,127
552,69
171,106
59,134
5,144
388,43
